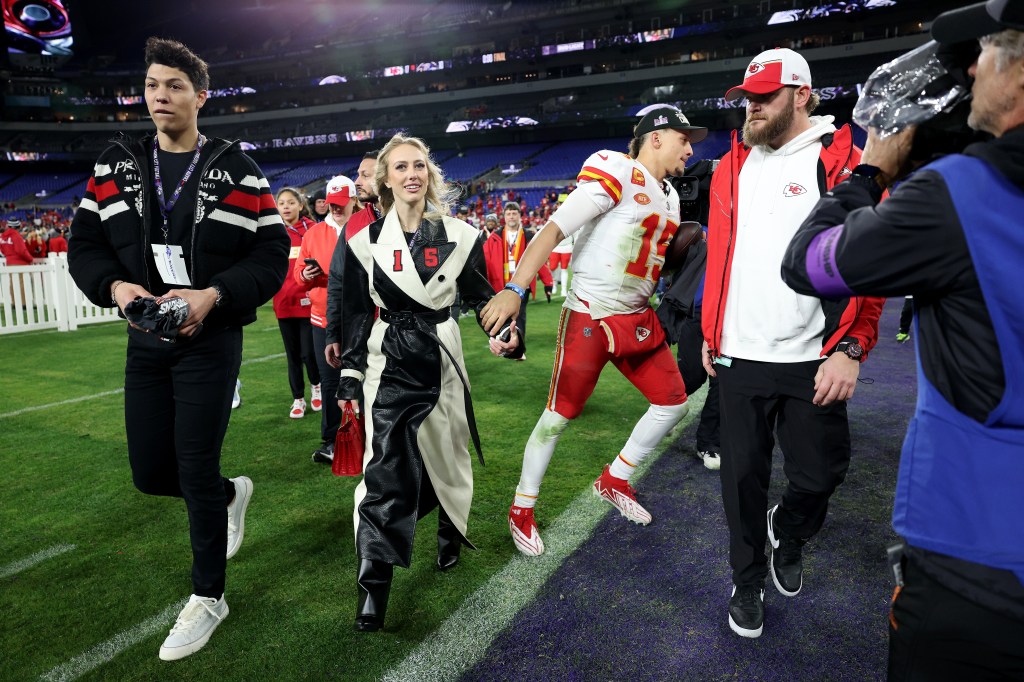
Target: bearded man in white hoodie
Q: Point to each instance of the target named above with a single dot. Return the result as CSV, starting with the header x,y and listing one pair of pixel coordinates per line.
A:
x,y
785,363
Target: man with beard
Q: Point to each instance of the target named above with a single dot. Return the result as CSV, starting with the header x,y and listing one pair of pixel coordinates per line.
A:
x,y
369,213
503,251
765,343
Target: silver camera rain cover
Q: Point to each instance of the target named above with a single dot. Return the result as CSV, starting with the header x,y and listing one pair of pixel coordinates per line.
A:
x,y
909,90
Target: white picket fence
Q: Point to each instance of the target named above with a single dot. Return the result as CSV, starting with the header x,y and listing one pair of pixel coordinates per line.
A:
x,y
43,296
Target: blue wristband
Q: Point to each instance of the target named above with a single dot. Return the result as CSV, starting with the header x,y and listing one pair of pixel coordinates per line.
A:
x,y
516,288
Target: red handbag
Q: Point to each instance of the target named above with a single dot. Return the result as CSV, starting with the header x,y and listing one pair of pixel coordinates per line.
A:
x,y
349,444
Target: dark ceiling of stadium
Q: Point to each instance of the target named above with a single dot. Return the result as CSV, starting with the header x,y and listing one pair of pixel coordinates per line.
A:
x,y
115,31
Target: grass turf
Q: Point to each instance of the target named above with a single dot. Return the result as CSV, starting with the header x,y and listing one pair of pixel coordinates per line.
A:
x,y
291,587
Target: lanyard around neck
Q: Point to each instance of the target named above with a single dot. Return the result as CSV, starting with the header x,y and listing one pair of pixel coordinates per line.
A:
x,y
167,206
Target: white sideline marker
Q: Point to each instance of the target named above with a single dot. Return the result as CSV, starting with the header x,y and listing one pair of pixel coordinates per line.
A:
x,y
105,652
465,636
116,391
37,558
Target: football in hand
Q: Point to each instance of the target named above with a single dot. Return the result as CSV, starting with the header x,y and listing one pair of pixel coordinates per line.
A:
x,y
688,234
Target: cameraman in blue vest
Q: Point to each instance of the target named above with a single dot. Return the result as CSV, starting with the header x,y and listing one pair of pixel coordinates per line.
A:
x,y
952,235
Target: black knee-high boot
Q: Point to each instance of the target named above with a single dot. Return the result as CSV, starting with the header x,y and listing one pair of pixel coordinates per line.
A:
x,y
449,541
374,582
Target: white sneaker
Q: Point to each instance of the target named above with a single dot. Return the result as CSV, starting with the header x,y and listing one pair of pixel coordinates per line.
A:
x,y
236,513
195,624
315,401
298,410
236,400
712,460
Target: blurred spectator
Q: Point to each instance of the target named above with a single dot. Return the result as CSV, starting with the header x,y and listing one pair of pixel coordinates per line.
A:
x,y
12,245
36,243
318,245
292,307
57,243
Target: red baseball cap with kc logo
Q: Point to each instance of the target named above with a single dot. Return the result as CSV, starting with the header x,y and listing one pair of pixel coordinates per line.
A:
x,y
340,190
771,70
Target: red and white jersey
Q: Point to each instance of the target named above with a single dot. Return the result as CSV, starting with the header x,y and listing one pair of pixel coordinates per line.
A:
x,y
618,255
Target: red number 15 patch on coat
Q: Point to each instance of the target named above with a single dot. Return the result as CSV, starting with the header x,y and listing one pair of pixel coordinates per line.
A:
x,y
430,258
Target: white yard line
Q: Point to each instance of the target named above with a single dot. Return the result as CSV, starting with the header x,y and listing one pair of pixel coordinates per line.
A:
x,y
465,636
39,557
105,652
103,394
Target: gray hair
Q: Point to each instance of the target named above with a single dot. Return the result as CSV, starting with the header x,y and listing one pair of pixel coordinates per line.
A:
x,y
1011,46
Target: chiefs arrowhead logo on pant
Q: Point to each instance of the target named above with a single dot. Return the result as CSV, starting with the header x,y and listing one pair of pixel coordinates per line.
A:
x,y
642,333
793,190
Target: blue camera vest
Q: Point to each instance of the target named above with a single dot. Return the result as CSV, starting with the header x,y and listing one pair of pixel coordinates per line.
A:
x,y
960,489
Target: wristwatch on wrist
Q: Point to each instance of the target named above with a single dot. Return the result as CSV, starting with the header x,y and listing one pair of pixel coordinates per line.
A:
x,y
852,349
871,177
220,295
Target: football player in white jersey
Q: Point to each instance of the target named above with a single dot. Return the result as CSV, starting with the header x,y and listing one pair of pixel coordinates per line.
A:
x,y
623,214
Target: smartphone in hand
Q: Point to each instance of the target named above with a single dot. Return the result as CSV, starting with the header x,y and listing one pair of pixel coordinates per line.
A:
x,y
311,262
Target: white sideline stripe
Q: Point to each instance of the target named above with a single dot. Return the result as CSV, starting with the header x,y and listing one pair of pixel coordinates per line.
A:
x,y
105,652
30,561
116,391
465,636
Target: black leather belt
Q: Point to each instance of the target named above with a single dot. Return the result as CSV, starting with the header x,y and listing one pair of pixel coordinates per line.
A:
x,y
406,318
424,322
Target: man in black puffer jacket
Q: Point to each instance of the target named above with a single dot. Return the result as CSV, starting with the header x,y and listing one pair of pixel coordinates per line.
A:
x,y
178,215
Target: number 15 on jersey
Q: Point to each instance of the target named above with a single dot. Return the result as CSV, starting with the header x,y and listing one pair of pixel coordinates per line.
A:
x,y
653,242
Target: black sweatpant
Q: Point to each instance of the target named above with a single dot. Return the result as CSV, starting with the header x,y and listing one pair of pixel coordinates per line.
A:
x,y
907,315
330,416
937,635
758,398
691,339
298,348
177,401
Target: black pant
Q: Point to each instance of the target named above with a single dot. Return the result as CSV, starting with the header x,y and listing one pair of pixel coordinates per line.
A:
x,y
177,401
757,398
330,417
691,339
907,315
939,635
298,348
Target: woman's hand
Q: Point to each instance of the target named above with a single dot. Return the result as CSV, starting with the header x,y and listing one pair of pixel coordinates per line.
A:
x,y
344,404
503,348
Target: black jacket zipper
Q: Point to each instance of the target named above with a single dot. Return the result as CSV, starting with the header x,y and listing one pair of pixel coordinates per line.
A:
x,y
143,181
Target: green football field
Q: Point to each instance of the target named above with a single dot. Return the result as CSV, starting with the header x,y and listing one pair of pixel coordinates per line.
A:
x,y
93,573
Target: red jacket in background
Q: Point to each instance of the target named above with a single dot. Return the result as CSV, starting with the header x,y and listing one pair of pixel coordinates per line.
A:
x,y
496,255
36,247
319,244
360,219
288,302
12,246
856,316
58,244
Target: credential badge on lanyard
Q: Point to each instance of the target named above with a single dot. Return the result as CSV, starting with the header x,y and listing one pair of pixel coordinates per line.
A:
x,y
170,259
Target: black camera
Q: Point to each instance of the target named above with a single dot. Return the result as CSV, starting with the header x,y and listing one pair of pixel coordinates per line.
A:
x,y
694,190
948,132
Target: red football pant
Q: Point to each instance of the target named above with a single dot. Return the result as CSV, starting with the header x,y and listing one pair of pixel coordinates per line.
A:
x,y
559,260
581,352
